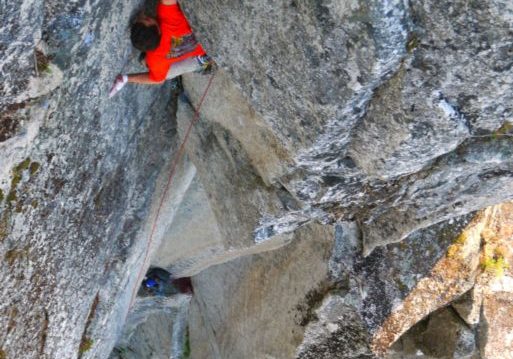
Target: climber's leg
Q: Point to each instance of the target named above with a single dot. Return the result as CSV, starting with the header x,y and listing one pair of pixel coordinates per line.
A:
x,y
188,65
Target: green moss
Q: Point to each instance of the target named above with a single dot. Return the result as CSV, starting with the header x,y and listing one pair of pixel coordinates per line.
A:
x,y
23,165
1,195
2,354
11,197
400,285
4,225
15,255
186,350
17,175
504,130
412,43
494,265
86,345
34,167
34,203
122,352
307,307
19,207
42,62
16,179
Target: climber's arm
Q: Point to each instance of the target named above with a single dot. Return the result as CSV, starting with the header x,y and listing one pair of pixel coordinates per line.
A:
x,y
140,78
143,78
168,2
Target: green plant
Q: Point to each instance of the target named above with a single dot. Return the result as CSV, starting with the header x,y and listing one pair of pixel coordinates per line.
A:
x,y
34,166
412,43
85,345
504,129
14,255
457,245
11,197
17,175
186,350
18,171
42,62
121,351
4,225
494,264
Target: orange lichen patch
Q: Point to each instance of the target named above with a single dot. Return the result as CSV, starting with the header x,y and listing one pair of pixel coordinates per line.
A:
x,y
456,247
496,248
502,251
453,275
500,223
448,281
478,256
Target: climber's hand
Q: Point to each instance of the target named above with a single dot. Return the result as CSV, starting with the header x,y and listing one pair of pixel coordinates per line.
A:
x,y
118,84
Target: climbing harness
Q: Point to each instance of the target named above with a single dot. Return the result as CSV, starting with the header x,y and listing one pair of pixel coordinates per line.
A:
x,y
177,159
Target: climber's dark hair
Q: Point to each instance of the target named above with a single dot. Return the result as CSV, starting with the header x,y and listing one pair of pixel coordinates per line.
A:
x,y
145,38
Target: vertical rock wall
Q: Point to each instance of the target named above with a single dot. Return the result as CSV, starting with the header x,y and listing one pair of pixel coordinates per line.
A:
x,y
398,111
392,116
77,176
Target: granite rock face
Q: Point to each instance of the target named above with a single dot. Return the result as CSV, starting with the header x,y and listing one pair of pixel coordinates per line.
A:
x,y
77,177
330,202
379,101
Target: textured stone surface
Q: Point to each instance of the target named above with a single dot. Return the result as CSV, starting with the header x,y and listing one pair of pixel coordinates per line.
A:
x,y
441,335
339,333
339,315
77,180
388,119
155,328
485,308
192,240
380,103
231,312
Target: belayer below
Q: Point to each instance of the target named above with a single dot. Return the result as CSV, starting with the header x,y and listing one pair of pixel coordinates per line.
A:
x,y
169,45
159,282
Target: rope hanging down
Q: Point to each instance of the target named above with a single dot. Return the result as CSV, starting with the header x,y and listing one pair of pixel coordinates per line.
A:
x,y
177,159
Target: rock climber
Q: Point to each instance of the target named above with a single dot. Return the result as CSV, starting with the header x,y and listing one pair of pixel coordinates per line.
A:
x,y
160,282
169,45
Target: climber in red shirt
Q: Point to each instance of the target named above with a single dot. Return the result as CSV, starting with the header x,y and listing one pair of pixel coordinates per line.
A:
x,y
170,46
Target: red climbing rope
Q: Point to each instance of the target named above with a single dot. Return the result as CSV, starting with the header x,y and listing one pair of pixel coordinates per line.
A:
x,y
177,159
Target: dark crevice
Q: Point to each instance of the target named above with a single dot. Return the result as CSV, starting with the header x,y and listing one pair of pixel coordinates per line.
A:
x,y
312,300
44,332
287,198
86,342
460,318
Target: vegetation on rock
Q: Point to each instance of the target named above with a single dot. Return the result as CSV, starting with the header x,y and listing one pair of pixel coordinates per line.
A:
x,y
86,345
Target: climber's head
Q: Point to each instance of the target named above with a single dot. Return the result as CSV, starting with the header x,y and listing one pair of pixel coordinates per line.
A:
x,y
145,33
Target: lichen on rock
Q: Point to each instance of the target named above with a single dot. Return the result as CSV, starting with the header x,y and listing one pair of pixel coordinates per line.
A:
x,y
339,193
